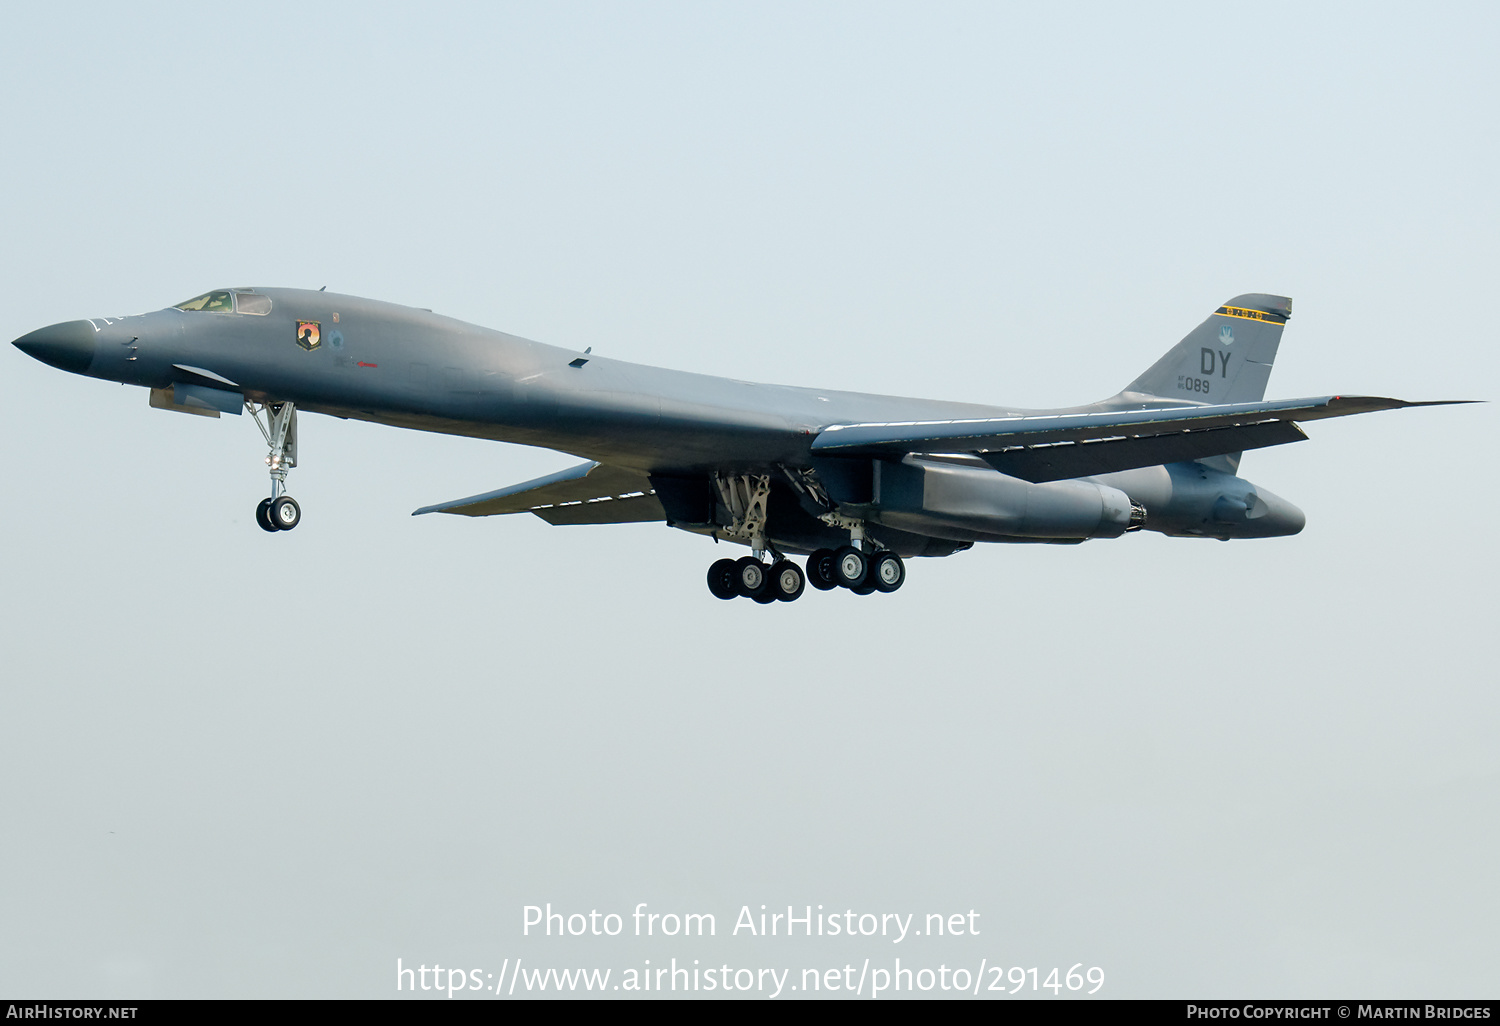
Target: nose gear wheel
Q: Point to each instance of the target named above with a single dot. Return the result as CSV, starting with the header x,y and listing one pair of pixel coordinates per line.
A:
x,y
285,513
263,516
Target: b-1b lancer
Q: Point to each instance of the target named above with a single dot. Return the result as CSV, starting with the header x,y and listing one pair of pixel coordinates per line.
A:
x,y
857,483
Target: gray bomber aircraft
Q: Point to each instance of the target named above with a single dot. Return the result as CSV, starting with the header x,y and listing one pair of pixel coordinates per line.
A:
x,y
857,482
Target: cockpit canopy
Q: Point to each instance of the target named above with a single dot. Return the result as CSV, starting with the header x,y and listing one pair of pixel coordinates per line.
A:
x,y
244,301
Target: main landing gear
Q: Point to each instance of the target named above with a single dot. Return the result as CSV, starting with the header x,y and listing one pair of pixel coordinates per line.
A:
x,y
784,581
861,566
278,423
862,573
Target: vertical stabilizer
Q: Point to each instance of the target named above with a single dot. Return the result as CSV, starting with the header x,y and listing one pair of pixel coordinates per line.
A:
x,y
1226,359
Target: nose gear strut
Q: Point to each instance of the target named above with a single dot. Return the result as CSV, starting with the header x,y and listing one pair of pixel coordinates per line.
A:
x,y
278,425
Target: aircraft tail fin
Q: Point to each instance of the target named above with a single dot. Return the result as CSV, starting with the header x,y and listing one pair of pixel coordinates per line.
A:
x,y
1226,359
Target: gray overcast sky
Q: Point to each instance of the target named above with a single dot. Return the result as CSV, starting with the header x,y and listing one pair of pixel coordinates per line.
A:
x,y
248,765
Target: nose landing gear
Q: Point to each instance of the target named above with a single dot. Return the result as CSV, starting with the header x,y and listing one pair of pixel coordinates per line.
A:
x,y
278,424
279,514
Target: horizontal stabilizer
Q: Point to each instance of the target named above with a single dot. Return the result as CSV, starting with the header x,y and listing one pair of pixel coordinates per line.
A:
x,y
590,493
1052,447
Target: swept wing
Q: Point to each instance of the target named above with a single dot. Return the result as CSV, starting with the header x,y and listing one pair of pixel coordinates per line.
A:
x,y
1055,447
590,493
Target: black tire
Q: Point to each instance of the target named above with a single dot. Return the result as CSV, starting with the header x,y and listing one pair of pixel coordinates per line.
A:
x,y
721,579
285,513
864,589
787,581
263,516
820,570
850,567
766,597
750,577
887,571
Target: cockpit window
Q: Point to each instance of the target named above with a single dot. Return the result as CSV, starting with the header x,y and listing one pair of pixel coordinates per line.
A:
x,y
215,302
237,301
252,303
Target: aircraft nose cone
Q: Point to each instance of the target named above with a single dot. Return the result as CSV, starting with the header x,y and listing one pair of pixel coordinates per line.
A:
x,y
68,346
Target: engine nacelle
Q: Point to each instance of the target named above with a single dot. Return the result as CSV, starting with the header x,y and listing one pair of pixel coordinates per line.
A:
x,y
968,501
1198,500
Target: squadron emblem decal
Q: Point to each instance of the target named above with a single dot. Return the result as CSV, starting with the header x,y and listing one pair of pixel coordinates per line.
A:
x,y
309,335
1226,335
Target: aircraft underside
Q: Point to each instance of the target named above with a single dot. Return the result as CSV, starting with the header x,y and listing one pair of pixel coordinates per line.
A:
x,y
857,520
